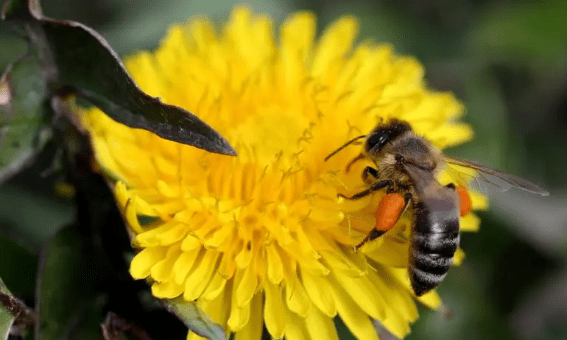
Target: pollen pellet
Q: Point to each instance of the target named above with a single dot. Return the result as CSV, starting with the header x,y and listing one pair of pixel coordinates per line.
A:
x,y
389,210
464,200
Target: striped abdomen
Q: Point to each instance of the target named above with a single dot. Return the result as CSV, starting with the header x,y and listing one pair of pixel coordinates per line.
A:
x,y
434,240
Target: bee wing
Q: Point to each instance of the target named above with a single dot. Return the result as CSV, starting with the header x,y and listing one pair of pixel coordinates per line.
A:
x,y
499,179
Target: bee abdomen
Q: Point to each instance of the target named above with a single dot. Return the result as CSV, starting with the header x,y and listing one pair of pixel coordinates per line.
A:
x,y
431,263
431,255
436,243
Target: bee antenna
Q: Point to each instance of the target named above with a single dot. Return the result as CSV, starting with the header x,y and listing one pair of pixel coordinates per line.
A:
x,y
344,146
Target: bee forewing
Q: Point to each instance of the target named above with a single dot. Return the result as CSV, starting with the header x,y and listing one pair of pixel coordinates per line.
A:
x,y
502,181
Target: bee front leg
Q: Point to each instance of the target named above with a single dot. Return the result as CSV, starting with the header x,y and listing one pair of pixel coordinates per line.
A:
x,y
369,175
388,212
375,186
354,160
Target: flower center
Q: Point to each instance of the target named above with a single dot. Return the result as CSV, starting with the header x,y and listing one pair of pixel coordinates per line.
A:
x,y
264,136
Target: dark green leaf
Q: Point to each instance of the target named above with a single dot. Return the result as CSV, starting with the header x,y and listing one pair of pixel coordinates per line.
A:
x,y
6,316
18,267
195,319
22,123
70,284
16,9
12,47
79,60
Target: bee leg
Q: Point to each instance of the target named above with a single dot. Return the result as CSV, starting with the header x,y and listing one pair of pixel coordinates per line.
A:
x,y
369,172
388,212
372,235
354,160
375,186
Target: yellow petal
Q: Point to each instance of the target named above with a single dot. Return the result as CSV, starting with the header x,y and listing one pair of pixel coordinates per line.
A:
x,y
150,238
162,271
239,316
450,135
479,201
144,62
214,288
219,237
334,44
431,299
298,32
274,310
166,290
200,275
131,215
353,316
392,252
274,264
390,282
121,193
359,289
297,35
173,235
143,261
318,290
164,188
218,309
247,286
296,297
253,329
190,242
470,222
296,328
184,264
320,326
458,257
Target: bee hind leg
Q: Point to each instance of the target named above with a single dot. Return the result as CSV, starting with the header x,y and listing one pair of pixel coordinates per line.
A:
x,y
372,235
387,214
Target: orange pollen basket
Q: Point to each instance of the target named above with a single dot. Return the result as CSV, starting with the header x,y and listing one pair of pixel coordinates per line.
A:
x,y
389,210
464,200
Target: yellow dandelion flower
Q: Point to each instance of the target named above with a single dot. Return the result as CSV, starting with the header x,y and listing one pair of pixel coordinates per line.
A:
x,y
261,238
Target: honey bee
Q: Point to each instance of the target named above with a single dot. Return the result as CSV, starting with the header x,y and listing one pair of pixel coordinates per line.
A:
x,y
406,166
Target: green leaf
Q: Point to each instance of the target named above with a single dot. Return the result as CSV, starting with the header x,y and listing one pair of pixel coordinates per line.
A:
x,y
18,267
79,60
195,319
6,316
23,128
70,285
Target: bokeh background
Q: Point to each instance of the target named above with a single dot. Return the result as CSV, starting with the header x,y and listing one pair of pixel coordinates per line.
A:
x,y
506,60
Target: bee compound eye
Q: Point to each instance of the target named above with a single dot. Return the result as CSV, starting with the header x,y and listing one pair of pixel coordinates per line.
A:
x,y
400,159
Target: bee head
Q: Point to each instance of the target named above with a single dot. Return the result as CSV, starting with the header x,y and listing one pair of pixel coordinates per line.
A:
x,y
384,134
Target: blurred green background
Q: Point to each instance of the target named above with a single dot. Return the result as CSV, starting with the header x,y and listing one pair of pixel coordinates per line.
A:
x,y
507,61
